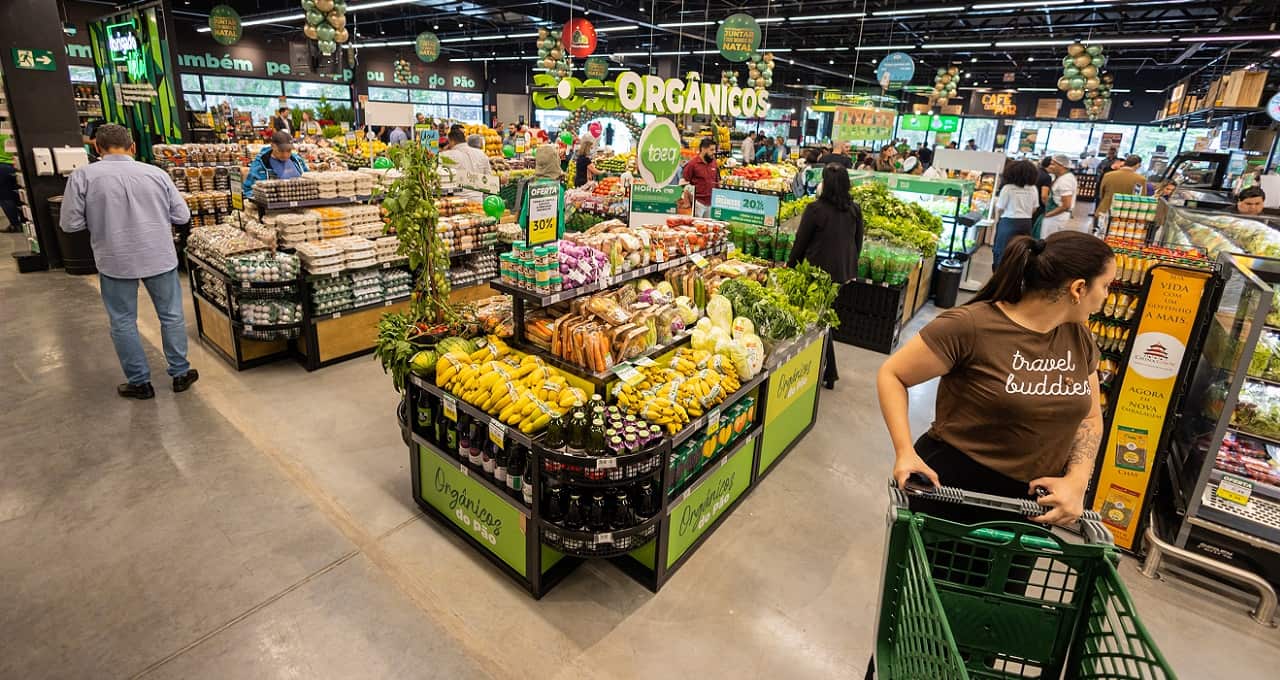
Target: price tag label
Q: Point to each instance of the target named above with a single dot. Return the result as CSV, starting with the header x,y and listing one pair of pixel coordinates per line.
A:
x,y
606,463
644,361
730,248
497,433
386,303
463,469
628,374
293,204
248,327
698,260
1234,489
450,408
337,315
244,284
713,418
605,538
386,265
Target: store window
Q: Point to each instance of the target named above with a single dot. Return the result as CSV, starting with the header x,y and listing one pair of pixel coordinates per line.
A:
x,y
388,94
431,110
467,114
981,130
1156,143
1126,132
429,97
1193,136
466,99
262,108
1027,138
332,92
1070,139
194,102
191,82
245,86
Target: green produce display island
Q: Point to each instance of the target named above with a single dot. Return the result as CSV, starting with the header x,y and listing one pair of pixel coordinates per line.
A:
x,y
682,488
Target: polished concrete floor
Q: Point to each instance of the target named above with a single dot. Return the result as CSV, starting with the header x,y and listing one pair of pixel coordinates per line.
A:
x,y
261,525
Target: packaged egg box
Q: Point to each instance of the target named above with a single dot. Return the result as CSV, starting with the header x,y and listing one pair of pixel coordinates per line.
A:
x,y
452,205
331,295
393,277
320,257
368,230
270,312
215,242
283,190
264,267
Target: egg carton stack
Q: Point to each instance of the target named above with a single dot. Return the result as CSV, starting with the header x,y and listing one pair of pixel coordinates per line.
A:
x,y
474,270
294,228
321,257
270,312
334,222
359,252
284,190
366,287
265,267
217,242
331,295
385,249
396,283
212,286
467,232
261,232
327,183
366,220
375,178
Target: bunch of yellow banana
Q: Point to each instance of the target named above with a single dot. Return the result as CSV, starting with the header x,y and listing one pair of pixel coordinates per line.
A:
x,y
520,390
692,382
666,413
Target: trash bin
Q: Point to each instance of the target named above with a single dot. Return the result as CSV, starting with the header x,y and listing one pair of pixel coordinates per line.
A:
x,y
77,252
947,283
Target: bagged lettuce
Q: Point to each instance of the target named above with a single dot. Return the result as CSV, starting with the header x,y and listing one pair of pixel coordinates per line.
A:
x,y
743,326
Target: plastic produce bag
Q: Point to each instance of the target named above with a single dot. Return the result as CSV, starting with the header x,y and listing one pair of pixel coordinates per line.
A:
x,y
720,311
743,326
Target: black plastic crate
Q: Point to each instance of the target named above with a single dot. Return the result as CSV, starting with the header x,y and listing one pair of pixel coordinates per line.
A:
x,y
872,299
876,333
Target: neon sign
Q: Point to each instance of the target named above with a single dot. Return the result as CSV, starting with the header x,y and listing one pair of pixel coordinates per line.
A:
x,y
122,45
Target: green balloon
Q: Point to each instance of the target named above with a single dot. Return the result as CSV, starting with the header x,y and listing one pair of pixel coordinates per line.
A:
x,y
508,151
1068,61
1100,61
942,71
339,6
324,32
1070,71
383,163
1077,83
314,17
1093,50
326,46
566,137
494,206
308,5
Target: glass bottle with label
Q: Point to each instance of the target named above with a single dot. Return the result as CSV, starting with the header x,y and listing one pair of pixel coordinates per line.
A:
x,y
515,469
578,432
554,441
596,520
624,516
646,501
426,422
500,460
554,506
573,515
526,488
596,439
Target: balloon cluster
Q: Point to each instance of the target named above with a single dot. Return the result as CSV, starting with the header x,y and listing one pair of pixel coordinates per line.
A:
x,y
552,54
945,83
760,70
326,23
401,73
1083,78
729,78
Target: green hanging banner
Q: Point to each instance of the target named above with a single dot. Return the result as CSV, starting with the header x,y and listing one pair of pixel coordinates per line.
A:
x,y
738,37
427,45
224,25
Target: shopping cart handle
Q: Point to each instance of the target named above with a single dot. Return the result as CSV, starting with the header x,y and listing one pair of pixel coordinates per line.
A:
x,y
918,485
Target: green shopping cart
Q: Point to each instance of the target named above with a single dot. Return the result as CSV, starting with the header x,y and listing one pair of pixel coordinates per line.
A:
x,y
1004,599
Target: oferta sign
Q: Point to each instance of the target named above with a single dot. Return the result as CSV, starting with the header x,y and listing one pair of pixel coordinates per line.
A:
x,y
658,156
224,25
652,94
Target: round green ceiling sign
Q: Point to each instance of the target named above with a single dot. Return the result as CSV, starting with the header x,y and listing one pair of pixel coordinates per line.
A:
x,y
427,45
224,25
738,37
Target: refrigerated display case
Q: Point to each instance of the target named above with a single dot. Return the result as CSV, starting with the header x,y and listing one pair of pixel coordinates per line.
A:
x,y
1219,232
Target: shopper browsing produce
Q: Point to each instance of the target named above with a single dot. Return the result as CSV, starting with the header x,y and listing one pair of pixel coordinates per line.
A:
x,y
583,170
767,153
749,148
1062,195
1126,180
277,161
129,209
1015,207
704,174
830,238
1018,404
1251,201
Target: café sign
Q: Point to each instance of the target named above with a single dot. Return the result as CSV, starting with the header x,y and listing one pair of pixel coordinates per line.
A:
x,y
993,103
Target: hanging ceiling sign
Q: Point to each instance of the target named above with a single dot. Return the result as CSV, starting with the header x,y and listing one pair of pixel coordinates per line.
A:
x,y
579,38
596,67
738,37
898,67
427,45
934,123
224,25
652,94
993,103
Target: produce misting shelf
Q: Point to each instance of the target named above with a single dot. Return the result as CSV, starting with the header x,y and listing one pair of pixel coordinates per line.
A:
x,y
531,549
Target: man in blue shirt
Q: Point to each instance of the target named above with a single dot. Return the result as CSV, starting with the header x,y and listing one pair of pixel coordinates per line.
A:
x,y
129,209
397,136
277,161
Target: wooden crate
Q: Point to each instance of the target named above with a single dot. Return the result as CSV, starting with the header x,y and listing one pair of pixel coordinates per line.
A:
x,y
913,290
1244,89
1216,90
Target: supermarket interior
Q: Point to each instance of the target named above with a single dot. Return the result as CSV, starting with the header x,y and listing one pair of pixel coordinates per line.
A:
x,y
589,339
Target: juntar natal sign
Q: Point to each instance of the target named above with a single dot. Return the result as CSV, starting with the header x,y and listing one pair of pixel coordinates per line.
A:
x,y
651,94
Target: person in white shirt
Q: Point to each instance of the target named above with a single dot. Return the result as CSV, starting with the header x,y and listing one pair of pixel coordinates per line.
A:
x,y
1016,205
1062,196
466,159
749,149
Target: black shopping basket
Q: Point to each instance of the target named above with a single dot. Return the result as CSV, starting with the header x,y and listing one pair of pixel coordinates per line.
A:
x,y
1004,599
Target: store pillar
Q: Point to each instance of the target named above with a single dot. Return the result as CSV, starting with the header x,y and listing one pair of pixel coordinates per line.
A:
x,y
41,105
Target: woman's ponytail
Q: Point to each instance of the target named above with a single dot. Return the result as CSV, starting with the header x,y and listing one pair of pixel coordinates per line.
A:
x,y
1048,264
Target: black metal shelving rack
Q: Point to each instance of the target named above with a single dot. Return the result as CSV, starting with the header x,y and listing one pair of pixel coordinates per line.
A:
x,y
239,354
687,514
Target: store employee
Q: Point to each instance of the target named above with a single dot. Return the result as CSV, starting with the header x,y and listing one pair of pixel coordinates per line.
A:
x,y
277,161
1250,201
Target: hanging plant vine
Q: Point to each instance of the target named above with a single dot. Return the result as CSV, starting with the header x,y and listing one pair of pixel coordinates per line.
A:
x,y
410,207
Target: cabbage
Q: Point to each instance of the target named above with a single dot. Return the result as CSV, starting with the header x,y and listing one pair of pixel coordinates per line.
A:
x,y
735,353
720,311
684,305
743,326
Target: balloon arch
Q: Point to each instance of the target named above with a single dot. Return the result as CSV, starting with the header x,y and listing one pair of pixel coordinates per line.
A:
x,y
577,118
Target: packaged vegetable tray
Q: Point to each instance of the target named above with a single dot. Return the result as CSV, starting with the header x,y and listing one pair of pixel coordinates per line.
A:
x,y
1004,599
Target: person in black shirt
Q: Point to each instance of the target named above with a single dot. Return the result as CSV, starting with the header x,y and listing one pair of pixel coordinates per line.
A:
x,y
830,237
925,154
840,155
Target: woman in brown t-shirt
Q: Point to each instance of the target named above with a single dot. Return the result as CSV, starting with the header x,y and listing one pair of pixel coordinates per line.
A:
x,y
1017,406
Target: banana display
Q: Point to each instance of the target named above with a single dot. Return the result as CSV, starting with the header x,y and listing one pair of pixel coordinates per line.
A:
x,y
521,391
690,383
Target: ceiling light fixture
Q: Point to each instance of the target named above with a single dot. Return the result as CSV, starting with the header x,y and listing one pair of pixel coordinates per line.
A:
x,y
973,60
1153,91
954,46
617,29
259,22
770,20
876,48
923,10
486,37
1037,89
1031,58
522,35
1227,38
686,24
1032,43
1031,4
1130,41
844,15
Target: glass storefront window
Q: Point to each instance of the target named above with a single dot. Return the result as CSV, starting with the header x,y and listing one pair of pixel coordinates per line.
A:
x,y
429,97
431,110
466,99
262,108
331,92
231,85
1071,139
190,82
1127,133
388,94
550,119
467,114
1193,135
194,102
1027,138
981,130
1154,142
